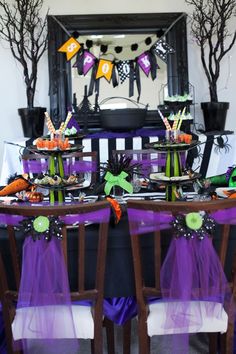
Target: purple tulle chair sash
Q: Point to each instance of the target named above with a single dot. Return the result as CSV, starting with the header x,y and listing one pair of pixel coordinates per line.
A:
x,y
44,287
193,283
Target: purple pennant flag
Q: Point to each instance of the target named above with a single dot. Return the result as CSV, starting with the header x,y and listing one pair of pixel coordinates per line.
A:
x,y
89,60
144,63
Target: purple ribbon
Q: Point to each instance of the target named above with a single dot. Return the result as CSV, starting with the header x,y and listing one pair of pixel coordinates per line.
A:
x,y
70,166
130,134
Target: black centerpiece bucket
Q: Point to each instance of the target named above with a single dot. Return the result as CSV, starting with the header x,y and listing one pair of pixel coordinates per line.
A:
x,y
32,120
214,114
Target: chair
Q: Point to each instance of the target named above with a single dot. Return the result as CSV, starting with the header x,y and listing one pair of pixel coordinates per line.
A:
x,y
188,291
44,267
150,159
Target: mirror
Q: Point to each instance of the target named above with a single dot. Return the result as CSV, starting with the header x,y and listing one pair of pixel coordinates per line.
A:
x,y
63,80
150,94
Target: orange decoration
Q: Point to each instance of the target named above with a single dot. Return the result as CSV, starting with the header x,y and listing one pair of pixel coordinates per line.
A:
x,y
116,208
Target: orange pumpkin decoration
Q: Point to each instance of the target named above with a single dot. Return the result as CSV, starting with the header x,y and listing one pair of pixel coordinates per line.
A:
x,y
34,197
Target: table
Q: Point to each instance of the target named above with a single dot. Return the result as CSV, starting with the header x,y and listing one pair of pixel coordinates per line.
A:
x,y
211,160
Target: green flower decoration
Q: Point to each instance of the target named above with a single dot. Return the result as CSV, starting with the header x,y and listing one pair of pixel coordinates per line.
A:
x,y
41,224
191,225
194,221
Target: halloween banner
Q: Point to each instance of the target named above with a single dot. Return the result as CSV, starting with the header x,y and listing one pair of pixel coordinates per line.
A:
x,y
124,69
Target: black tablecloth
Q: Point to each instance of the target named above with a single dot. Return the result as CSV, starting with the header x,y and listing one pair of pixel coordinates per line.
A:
x,y
119,278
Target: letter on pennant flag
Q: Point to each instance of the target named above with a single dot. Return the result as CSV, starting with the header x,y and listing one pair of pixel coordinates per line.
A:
x,y
123,67
70,47
105,68
162,49
89,60
144,63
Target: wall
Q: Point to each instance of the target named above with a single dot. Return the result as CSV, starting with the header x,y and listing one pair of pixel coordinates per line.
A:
x,y
12,94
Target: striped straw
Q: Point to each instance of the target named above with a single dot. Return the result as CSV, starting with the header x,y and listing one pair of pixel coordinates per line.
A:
x,y
49,123
165,120
69,115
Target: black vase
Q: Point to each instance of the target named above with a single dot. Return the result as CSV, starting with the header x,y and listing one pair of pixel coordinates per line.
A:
x,y
214,114
32,120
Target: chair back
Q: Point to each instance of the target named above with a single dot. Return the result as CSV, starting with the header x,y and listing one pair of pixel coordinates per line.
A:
x,y
189,271
44,281
150,160
83,164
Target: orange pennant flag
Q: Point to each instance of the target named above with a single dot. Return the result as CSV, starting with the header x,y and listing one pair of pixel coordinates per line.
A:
x,y
105,68
70,47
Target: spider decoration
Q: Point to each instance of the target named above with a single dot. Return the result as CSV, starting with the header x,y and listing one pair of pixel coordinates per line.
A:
x,y
195,153
222,143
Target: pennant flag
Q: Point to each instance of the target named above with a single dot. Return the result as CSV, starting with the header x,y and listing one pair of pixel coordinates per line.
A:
x,y
105,68
162,49
70,47
79,62
123,67
144,63
89,61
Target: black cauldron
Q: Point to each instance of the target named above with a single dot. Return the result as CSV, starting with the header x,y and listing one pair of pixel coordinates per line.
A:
x,y
122,119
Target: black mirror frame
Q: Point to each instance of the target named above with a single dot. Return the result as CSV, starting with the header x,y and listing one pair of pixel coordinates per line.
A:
x,y
60,26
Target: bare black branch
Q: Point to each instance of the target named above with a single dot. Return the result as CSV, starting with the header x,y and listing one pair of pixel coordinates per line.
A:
x,y
26,32
210,23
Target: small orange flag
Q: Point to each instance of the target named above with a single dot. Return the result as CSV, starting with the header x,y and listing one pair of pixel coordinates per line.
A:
x,y
70,47
105,68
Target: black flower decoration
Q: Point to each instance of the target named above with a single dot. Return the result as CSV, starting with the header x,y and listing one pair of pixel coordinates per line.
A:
x,y
42,226
193,225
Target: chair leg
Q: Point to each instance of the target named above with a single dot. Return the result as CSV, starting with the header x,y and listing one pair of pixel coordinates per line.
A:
x,y
227,340
143,338
109,325
127,337
92,346
212,343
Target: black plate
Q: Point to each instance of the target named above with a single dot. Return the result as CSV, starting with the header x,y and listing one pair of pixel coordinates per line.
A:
x,y
73,147
164,146
73,136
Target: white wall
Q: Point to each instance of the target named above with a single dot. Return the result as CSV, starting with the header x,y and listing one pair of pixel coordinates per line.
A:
x,y
12,93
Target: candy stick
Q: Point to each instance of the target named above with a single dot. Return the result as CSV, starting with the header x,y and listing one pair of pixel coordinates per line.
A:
x,y
165,120
181,118
60,130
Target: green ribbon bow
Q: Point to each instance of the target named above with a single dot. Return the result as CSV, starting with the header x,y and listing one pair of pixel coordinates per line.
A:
x,y
119,180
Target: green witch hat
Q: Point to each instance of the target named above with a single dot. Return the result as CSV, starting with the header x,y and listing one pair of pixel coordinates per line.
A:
x,y
225,179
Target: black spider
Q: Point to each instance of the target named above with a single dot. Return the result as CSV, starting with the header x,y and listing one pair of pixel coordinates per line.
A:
x,y
222,143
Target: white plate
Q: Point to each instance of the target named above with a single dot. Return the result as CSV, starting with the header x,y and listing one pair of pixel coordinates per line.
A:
x,y
161,177
7,200
85,184
220,191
